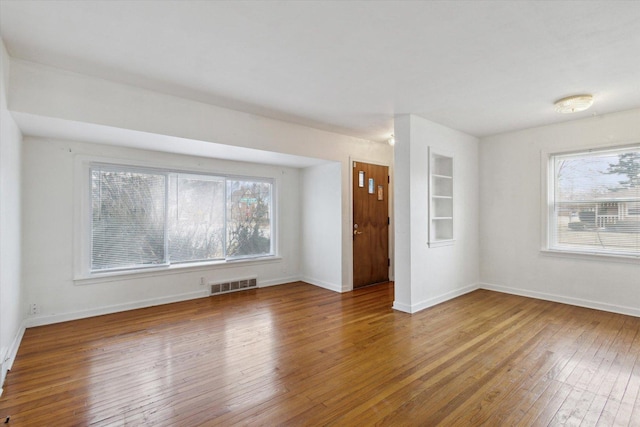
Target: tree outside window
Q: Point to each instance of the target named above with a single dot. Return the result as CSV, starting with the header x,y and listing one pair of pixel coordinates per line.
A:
x,y
248,219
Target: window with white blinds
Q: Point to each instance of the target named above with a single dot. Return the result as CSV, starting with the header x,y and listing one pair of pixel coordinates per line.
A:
x,y
128,219
594,202
148,218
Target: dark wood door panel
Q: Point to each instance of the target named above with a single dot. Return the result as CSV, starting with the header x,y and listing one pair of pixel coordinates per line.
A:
x,y
371,226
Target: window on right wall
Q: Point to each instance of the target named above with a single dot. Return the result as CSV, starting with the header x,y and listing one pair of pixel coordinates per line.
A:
x,y
594,202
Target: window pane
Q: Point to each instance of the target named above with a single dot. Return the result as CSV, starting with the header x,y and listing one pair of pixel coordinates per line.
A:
x,y
596,202
248,218
128,218
196,218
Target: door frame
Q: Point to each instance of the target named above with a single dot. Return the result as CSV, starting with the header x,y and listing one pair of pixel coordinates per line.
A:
x,y
390,199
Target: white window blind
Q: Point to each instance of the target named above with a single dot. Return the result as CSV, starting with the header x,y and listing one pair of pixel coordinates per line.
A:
x,y
145,217
128,219
595,202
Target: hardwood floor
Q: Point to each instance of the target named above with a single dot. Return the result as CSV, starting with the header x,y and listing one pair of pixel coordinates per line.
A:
x,y
300,355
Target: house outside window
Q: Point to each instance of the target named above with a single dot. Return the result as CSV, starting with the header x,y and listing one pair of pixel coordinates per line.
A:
x,y
594,202
143,217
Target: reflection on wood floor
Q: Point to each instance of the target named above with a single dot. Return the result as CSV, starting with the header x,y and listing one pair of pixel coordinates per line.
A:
x,y
300,355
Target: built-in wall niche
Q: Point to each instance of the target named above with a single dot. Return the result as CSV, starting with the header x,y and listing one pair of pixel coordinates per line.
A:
x,y
440,199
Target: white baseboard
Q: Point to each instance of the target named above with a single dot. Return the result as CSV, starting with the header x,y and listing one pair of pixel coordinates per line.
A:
x,y
442,298
401,307
7,363
64,317
414,308
322,284
279,281
630,311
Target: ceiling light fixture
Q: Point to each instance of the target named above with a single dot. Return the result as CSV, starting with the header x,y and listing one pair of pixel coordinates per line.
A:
x,y
573,104
391,141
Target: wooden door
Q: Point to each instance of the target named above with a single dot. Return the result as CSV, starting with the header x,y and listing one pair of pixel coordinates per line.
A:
x,y
370,224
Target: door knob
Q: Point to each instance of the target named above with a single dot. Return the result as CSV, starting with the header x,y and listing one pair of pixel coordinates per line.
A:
x,y
356,232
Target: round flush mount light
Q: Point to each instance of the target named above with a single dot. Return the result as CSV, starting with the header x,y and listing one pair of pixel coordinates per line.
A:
x,y
573,104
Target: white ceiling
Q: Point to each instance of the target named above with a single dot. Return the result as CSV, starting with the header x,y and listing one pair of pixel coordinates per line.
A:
x,y
482,67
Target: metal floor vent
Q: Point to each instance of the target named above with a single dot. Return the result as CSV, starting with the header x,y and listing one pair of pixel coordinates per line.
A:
x,y
233,286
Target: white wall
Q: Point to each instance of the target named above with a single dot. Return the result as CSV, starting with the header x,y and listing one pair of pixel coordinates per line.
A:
x,y
320,196
511,218
39,91
49,215
426,276
12,309
402,212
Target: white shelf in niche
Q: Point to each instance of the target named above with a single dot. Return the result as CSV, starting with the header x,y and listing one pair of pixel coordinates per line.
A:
x,y
440,199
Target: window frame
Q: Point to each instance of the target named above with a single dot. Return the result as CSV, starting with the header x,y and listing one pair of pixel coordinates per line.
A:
x,y
547,207
82,219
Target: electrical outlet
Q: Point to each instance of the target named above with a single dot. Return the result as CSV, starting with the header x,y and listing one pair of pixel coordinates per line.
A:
x,y
34,309
202,281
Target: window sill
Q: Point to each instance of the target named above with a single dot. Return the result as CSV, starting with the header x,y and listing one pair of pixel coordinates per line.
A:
x,y
172,269
590,256
439,243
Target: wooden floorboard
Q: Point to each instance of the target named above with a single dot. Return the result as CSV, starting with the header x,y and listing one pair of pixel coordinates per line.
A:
x,y
297,355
